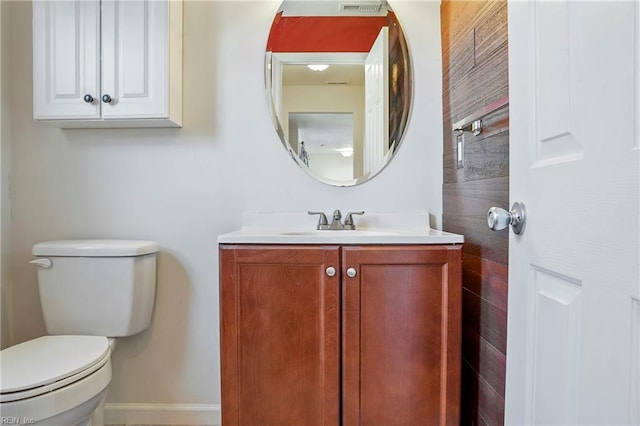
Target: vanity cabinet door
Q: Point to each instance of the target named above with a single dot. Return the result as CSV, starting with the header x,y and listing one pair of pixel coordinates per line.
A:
x,y
401,335
280,335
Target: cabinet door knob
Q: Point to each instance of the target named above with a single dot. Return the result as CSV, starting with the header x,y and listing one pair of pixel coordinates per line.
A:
x,y
88,98
351,272
106,99
331,271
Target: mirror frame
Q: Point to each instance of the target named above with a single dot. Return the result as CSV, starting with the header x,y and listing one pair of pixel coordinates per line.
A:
x,y
400,55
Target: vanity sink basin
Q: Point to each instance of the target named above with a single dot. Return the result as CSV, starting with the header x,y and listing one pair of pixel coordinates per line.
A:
x,y
375,228
338,233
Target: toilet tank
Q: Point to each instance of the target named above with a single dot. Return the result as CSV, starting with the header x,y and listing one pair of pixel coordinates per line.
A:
x,y
96,287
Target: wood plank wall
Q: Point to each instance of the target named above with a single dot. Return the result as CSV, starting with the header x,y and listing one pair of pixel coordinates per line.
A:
x,y
475,74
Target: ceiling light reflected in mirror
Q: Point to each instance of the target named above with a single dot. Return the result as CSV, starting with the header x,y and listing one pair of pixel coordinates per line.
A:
x,y
317,67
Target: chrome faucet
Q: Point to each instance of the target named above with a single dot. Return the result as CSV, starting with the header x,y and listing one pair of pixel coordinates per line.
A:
x,y
336,224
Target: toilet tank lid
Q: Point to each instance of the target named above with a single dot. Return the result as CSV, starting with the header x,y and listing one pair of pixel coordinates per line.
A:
x,y
95,248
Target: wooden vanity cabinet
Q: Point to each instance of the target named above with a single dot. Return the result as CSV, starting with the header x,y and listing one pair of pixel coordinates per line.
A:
x,y
301,347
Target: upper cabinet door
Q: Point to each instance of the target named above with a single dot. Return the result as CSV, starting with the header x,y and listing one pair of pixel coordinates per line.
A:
x,y
66,54
135,57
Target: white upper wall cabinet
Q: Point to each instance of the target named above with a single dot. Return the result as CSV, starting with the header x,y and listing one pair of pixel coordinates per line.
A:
x,y
109,63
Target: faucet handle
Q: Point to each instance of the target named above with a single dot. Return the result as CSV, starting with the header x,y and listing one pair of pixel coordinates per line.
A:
x,y
322,220
348,221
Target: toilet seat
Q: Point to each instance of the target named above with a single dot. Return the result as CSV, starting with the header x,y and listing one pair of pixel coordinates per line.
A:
x,y
42,365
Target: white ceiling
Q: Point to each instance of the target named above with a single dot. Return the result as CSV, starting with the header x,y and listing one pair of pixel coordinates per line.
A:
x,y
301,75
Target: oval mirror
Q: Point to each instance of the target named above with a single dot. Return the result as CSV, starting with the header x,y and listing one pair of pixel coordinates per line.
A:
x,y
338,80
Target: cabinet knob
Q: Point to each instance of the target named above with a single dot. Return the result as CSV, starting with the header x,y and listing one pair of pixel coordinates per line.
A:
x,y
331,271
351,272
106,99
88,98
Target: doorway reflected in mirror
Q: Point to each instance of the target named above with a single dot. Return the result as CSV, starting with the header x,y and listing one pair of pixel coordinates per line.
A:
x,y
325,142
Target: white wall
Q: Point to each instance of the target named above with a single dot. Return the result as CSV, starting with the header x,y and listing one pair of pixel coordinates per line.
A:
x,y
5,202
184,187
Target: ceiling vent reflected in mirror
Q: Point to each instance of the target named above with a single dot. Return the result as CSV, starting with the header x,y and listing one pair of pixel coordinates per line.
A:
x,y
361,8
334,8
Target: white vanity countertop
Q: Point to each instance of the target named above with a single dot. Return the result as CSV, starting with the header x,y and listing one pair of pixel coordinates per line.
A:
x,y
372,228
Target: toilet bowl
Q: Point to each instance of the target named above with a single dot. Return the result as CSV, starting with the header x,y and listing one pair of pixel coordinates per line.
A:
x,y
89,289
55,380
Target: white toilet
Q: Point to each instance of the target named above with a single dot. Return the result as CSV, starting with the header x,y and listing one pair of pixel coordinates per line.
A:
x,y
91,292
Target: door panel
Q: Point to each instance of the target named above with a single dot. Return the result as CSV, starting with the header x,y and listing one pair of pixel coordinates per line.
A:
x,y
376,74
400,341
573,273
555,325
556,141
634,393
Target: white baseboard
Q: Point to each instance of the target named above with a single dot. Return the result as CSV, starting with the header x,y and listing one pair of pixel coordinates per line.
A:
x,y
162,414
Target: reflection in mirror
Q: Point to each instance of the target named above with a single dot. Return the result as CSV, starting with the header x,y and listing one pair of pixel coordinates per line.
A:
x,y
329,145
338,81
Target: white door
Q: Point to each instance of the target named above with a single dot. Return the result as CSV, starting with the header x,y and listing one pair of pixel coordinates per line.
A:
x,y
573,342
376,121
66,57
135,58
